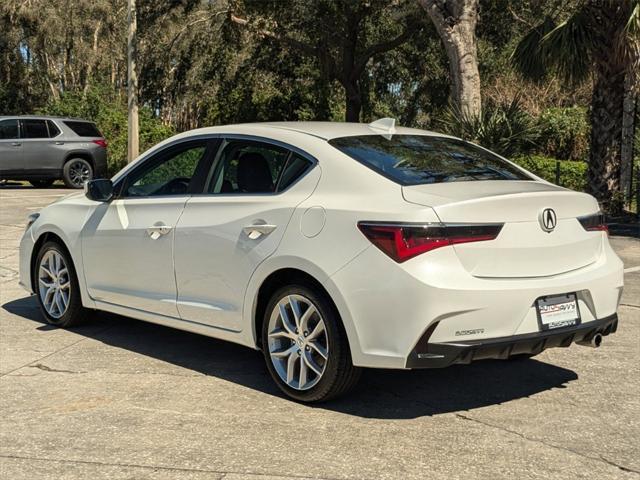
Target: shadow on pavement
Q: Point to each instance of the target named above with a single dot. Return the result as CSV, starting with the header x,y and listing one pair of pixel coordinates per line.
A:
x,y
385,394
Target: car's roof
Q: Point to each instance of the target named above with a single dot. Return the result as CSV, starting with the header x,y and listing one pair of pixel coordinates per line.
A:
x,y
46,117
323,130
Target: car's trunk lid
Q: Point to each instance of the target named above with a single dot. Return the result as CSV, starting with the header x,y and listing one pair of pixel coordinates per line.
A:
x,y
523,248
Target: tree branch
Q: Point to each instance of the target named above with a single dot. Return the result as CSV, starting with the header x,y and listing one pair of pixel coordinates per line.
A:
x,y
292,42
381,47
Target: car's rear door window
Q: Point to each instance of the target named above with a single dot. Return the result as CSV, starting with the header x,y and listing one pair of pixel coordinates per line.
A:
x,y
83,129
423,159
248,167
54,131
8,129
34,129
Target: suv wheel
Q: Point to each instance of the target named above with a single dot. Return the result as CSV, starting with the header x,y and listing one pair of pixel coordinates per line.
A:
x,y
41,183
57,287
305,347
76,172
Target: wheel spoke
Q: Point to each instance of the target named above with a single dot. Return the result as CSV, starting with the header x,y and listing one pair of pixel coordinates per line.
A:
x,y
45,284
46,270
286,321
58,299
281,333
308,359
291,367
319,348
302,381
65,285
284,353
319,329
304,320
295,308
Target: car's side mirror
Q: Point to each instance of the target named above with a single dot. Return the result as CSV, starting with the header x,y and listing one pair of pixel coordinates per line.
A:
x,y
100,190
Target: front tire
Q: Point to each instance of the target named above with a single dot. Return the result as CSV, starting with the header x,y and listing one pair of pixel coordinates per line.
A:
x,y
305,347
76,172
57,287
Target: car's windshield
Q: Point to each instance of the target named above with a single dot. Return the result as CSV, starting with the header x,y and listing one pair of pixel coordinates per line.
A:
x,y
421,159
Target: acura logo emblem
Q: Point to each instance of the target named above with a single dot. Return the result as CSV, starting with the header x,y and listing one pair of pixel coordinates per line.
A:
x,y
548,219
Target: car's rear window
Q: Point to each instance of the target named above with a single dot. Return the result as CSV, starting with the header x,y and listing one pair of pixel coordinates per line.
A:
x,y
421,159
84,129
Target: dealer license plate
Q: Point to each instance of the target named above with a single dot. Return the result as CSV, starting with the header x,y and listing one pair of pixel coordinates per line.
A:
x,y
557,311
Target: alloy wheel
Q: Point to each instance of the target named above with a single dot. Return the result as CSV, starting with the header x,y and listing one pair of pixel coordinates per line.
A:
x,y
54,283
79,173
298,342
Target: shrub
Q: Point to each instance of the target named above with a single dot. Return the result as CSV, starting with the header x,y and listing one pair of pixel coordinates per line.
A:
x,y
564,133
504,128
572,173
109,110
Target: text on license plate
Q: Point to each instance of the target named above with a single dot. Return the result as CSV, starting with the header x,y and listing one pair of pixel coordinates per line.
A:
x,y
558,311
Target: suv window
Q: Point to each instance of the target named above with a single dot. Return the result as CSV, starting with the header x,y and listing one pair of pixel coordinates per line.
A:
x,y
35,129
421,159
170,173
54,131
248,167
8,129
84,129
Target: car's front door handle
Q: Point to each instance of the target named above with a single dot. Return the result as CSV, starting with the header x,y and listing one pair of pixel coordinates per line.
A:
x,y
16,144
156,231
59,143
258,230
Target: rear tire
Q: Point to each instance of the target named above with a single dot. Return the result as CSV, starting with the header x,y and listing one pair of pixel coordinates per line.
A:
x,y
76,172
56,286
295,345
41,183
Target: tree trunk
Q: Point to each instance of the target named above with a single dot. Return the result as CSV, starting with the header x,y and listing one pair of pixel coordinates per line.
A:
x,y
353,103
628,133
132,84
603,175
456,22
608,20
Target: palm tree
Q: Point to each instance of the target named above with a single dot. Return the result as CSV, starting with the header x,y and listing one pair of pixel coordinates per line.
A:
x,y
601,39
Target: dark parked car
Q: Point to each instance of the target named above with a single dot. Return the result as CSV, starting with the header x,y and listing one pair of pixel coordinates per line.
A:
x,y
44,149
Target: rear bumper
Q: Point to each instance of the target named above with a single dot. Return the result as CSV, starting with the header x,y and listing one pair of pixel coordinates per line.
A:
x,y
438,355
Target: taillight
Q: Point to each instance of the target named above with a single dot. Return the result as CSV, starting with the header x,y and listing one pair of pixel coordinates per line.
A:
x,y
102,143
594,223
404,241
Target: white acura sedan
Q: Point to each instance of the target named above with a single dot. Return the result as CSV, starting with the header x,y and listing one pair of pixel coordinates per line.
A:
x,y
331,247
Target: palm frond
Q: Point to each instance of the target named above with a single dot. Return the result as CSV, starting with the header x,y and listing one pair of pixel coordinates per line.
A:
x,y
567,48
528,56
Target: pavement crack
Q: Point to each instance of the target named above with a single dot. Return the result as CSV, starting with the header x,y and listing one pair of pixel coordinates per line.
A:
x,y
45,368
222,473
599,458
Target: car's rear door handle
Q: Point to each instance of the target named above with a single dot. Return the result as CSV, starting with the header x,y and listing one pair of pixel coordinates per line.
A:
x,y
156,231
258,230
16,144
59,143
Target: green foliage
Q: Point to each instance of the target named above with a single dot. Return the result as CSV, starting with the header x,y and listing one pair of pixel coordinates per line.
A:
x,y
109,110
505,129
572,173
564,133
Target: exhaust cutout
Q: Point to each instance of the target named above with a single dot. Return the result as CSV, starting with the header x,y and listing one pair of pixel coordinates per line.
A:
x,y
595,341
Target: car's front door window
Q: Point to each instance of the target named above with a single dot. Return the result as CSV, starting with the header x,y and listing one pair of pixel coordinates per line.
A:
x,y
171,175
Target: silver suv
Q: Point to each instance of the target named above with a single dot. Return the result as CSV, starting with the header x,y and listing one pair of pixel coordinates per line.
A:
x,y
44,149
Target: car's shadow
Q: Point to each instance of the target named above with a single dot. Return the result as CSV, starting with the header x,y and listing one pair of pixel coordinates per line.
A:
x,y
388,394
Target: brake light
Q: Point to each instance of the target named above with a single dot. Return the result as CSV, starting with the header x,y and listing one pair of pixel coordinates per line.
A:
x,y
404,241
102,143
594,223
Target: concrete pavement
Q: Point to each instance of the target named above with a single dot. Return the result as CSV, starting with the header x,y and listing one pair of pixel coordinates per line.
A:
x,y
122,399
